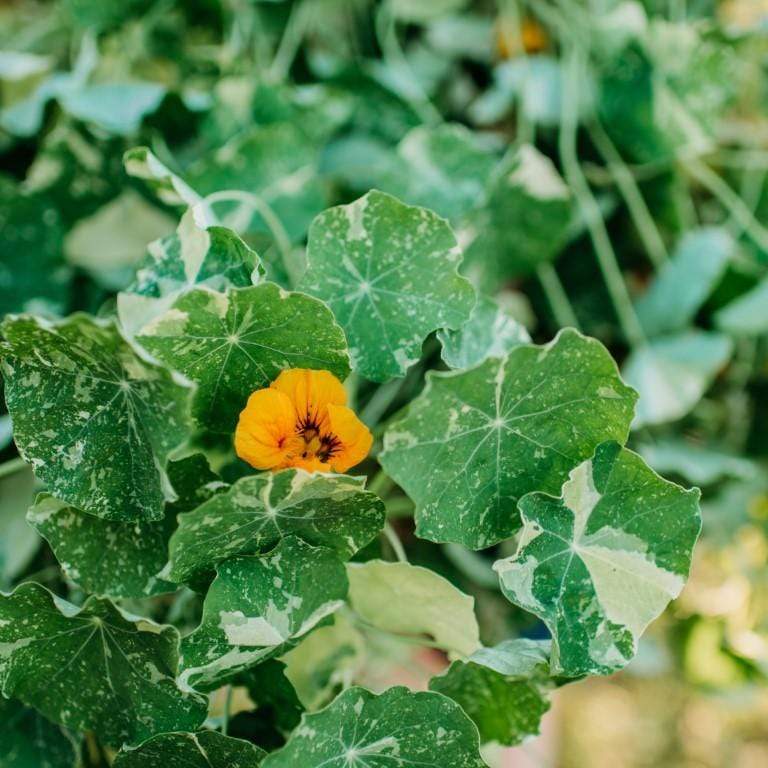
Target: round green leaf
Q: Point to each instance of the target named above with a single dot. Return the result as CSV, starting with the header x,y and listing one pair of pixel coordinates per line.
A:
x,y
233,343
258,607
412,601
474,442
206,749
257,512
398,728
598,564
96,418
93,668
503,689
388,272
105,557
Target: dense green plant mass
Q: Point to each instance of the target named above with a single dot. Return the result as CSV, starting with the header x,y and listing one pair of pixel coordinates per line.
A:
x,y
530,239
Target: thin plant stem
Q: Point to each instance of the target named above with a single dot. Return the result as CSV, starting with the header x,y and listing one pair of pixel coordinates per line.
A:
x,y
737,208
265,210
12,466
394,541
381,483
558,299
625,181
295,29
227,709
573,64
380,401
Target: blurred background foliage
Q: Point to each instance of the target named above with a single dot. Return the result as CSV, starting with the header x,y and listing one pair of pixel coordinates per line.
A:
x,y
605,165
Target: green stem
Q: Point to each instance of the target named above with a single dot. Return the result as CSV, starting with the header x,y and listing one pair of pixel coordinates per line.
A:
x,y
295,29
12,466
265,210
738,209
625,181
227,709
558,299
573,65
394,541
381,483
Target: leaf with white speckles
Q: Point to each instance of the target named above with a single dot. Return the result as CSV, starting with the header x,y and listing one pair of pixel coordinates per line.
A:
x,y
105,557
259,607
598,564
412,601
388,272
96,419
195,254
489,332
257,512
233,343
122,560
503,689
206,749
28,740
398,728
474,442
93,668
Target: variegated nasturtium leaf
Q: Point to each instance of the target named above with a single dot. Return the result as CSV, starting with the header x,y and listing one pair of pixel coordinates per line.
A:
x,y
475,441
396,728
598,564
503,689
259,511
388,272
105,557
196,254
525,220
205,749
489,332
95,417
93,668
28,740
444,168
412,601
115,559
233,343
259,607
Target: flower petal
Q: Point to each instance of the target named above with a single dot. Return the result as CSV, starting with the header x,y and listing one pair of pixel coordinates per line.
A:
x,y
265,436
354,436
311,392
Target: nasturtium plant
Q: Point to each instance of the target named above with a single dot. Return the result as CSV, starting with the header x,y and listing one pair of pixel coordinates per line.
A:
x,y
205,749
96,417
234,342
94,667
344,351
258,606
475,441
388,272
361,728
617,530
260,511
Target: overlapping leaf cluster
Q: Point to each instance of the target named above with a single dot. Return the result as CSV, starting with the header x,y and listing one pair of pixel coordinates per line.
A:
x,y
343,226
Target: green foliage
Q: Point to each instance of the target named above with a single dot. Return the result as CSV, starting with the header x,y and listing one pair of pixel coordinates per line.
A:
x,y
468,214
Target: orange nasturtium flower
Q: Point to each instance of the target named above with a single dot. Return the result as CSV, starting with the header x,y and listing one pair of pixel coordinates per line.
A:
x,y
301,420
